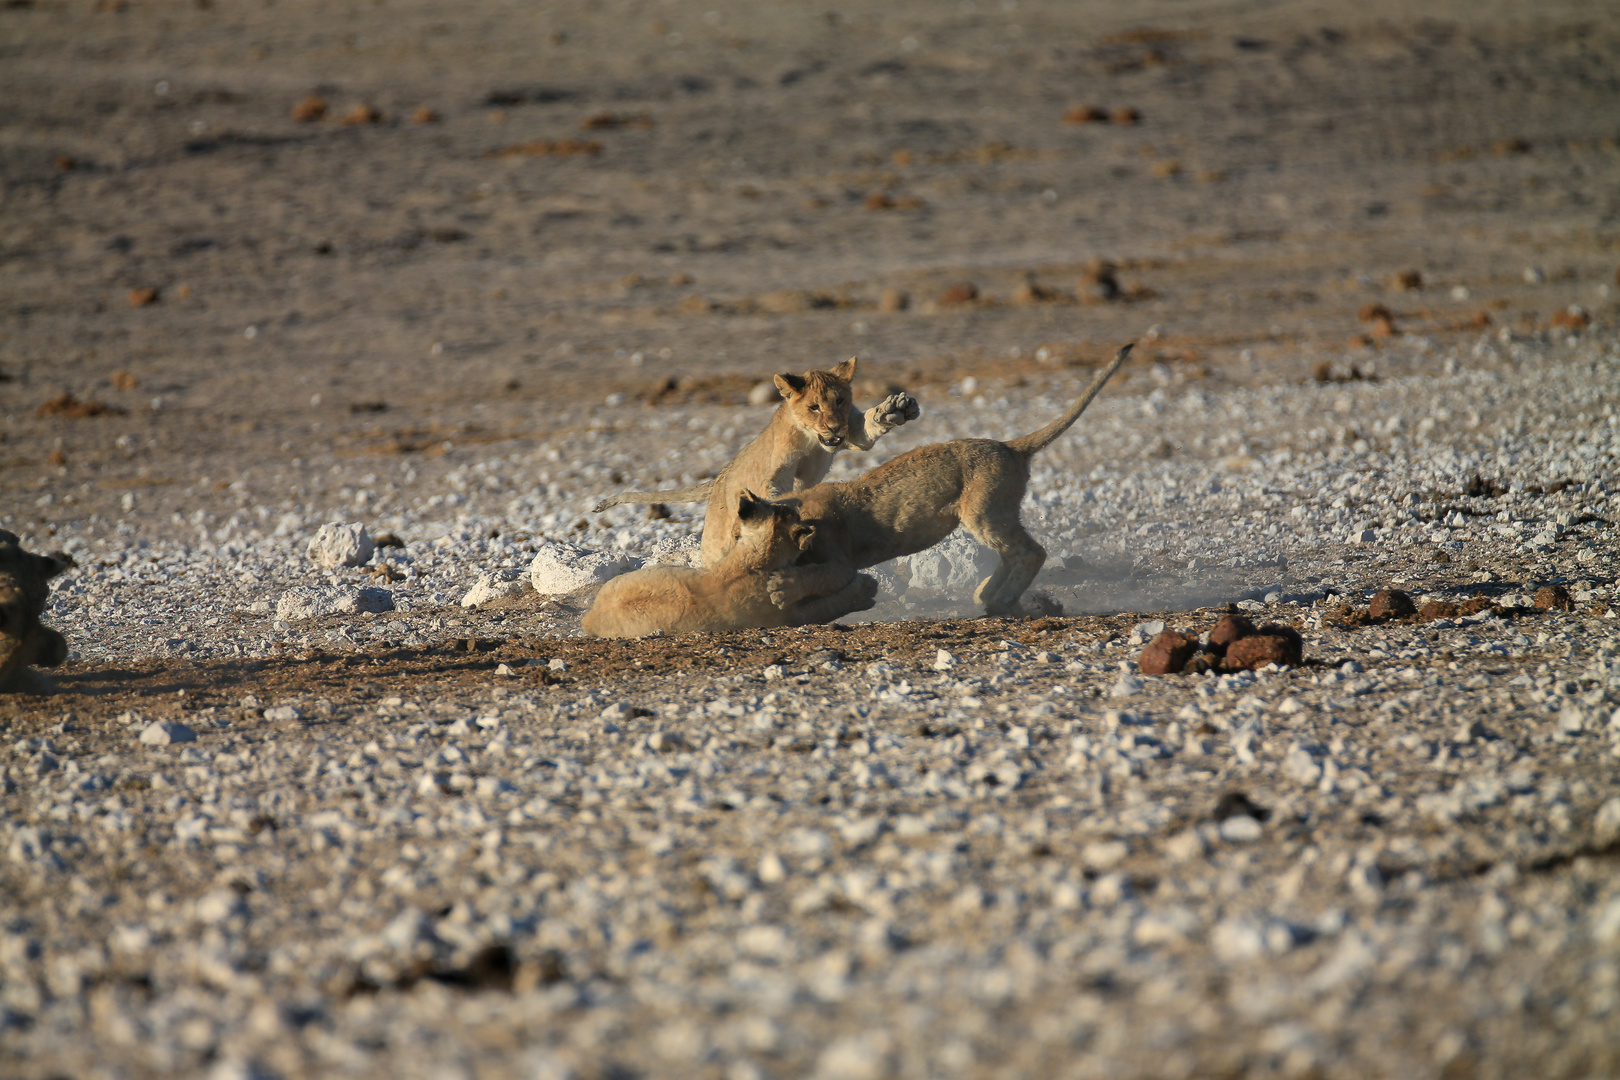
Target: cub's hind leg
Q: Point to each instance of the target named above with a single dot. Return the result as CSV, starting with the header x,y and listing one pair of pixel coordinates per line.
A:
x,y
1021,559
989,509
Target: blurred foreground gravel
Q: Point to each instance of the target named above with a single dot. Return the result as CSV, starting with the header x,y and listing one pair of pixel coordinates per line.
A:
x,y
439,841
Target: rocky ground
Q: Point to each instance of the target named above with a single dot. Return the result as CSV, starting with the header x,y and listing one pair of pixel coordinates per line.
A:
x,y
551,261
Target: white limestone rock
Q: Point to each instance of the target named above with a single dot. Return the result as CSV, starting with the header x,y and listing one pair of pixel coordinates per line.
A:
x,y
340,543
159,733
560,568
953,567
496,585
313,601
676,551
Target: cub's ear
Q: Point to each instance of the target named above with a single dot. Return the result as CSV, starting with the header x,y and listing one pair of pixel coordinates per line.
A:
x,y
790,384
846,370
748,505
54,563
803,536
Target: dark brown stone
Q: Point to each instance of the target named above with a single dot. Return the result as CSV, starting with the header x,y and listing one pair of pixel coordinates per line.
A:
x,y
1229,629
1554,598
1258,650
1167,653
1437,609
1391,604
1200,663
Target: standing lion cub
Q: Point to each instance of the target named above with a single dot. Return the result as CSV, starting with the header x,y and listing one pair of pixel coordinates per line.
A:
x,y
916,500
734,593
817,418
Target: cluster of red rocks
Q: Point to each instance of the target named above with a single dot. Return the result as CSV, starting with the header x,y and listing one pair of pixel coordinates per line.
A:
x,y
1393,605
1235,644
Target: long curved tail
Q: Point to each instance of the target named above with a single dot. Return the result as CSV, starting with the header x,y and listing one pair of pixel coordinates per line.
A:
x,y
696,493
1038,440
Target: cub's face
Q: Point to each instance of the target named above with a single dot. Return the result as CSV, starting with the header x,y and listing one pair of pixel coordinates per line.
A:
x,y
818,401
770,533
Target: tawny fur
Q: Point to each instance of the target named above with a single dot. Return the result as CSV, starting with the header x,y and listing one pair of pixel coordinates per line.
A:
x,y
817,418
25,642
913,502
734,593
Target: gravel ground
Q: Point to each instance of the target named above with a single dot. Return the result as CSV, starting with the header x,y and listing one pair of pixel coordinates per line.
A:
x,y
441,841
532,255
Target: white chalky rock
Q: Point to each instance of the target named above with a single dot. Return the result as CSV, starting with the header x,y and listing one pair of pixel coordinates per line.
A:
x,y
1240,829
1125,686
953,567
340,543
1362,536
676,551
1103,855
218,906
856,1057
495,585
943,661
313,601
283,714
1301,766
1606,823
561,568
1237,939
1146,631
159,733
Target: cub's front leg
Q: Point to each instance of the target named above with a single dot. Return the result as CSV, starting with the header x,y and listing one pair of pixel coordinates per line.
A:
x,y
795,583
858,595
882,418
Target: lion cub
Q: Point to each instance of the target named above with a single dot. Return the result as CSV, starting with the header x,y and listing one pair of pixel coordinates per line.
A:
x,y
817,418
913,502
24,640
733,593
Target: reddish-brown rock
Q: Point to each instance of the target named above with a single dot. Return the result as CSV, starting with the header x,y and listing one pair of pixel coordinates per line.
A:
x,y
1572,318
1167,653
1201,662
1282,630
963,292
1229,629
1391,604
310,109
361,114
1258,650
1437,609
1554,598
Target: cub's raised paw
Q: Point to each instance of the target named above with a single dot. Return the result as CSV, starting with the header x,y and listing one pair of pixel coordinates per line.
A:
x,y
776,588
897,409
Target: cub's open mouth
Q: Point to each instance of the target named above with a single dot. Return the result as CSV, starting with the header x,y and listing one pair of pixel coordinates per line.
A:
x,y
831,441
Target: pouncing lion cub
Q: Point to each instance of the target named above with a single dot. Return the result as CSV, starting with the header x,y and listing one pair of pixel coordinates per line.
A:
x,y
817,418
738,591
916,500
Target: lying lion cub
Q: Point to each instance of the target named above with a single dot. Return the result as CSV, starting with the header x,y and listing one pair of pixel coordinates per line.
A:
x,y
24,640
913,502
816,419
733,593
